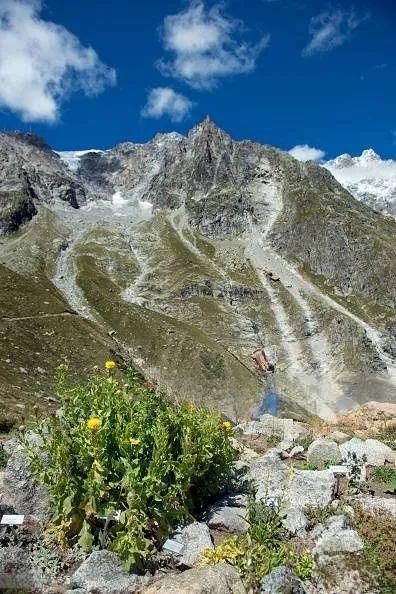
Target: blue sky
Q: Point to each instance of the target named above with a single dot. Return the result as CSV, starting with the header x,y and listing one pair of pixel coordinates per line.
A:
x,y
283,72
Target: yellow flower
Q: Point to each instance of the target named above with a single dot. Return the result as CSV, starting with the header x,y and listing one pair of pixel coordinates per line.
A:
x,y
110,365
94,424
227,426
134,441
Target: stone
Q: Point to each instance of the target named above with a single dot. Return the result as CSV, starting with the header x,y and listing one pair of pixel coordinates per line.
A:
x,y
376,452
211,579
195,538
337,539
18,572
275,482
339,437
322,450
282,580
383,504
295,521
310,487
102,573
228,515
19,489
286,429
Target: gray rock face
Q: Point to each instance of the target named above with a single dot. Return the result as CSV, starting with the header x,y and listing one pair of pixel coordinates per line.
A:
x,y
18,573
282,580
20,490
376,452
30,174
102,573
217,579
322,450
195,538
229,515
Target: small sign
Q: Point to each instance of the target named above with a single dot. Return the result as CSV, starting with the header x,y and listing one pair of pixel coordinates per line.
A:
x,y
12,520
173,546
339,469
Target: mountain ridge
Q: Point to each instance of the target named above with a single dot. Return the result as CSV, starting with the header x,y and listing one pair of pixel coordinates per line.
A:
x,y
177,243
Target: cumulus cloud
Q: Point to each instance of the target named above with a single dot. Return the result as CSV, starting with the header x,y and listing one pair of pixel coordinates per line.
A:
x,y
304,152
203,46
165,101
41,63
330,29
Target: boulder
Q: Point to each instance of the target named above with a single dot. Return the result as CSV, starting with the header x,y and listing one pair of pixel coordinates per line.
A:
x,y
376,452
310,487
276,482
229,515
383,504
339,437
282,580
18,572
322,450
212,579
19,489
295,521
103,573
286,429
195,538
336,539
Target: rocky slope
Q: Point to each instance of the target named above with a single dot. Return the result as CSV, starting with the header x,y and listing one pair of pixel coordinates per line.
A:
x,y
192,251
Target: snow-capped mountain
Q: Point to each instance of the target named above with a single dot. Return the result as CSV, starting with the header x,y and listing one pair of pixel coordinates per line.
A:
x,y
368,178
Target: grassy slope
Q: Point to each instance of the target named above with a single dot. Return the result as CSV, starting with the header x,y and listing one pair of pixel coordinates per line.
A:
x,y
31,349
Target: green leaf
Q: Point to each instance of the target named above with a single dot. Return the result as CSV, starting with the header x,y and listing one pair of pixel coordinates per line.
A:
x,y
85,537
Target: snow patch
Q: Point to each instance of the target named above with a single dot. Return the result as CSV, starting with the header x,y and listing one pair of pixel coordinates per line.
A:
x,y
72,158
368,178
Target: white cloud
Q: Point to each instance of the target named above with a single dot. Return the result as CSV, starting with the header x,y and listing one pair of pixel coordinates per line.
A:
x,y
303,152
165,101
331,29
203,46
41,63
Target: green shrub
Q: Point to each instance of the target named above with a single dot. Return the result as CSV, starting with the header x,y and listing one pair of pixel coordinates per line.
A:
x,y
264,547
384,474
124,448
318,515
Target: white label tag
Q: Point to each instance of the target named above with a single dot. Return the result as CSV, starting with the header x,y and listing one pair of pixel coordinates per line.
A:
x,y
338,469
12,520
173,546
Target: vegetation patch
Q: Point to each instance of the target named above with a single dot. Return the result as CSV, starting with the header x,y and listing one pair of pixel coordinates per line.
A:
x,y
132,456
378,531
264,547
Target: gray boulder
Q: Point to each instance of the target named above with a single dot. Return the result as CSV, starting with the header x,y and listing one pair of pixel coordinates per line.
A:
x,y
310,487
339,437
276,482
282,580
103,573
376,452
229,515
195,539
295,521
336,539
216,579
321,450
383,504
19,490
286,429
18,572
